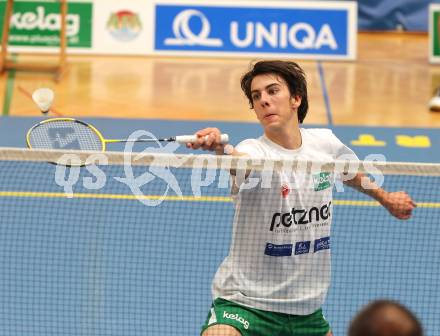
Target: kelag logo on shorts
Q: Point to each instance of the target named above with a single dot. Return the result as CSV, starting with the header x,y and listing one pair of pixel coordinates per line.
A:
x,y
252,30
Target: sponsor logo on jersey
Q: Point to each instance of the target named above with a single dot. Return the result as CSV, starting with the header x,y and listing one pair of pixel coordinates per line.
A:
x,y
322,181
300,216
302,247
237,318
284,250
322,244
285,190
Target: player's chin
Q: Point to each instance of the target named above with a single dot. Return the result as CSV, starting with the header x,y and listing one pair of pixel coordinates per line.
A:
x,y
271,125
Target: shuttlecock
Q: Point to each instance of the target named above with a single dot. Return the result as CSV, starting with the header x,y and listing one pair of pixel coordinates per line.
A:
x,y
43,98
434,103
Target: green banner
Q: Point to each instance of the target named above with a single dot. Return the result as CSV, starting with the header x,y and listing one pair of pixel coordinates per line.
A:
x,y
37,24
436,34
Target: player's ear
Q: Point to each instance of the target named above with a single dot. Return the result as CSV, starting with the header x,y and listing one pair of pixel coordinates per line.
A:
x,y
295,101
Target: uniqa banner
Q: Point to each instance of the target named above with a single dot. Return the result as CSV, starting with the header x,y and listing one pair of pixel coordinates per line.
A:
x,y
324,30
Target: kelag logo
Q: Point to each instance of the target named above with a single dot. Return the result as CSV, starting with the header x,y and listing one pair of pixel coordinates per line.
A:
x,y
38,24
252,30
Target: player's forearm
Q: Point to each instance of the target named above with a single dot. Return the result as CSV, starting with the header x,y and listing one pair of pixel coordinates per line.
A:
x,y
234,153
231,152
364,184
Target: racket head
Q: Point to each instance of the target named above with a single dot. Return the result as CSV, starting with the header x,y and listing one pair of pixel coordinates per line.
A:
x,y
65,133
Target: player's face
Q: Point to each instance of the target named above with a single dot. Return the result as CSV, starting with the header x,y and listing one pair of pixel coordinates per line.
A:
x,y
272,101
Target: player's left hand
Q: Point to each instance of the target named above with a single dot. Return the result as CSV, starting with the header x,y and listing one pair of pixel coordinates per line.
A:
x,y
399,204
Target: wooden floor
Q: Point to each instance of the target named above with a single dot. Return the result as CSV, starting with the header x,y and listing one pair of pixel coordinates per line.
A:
x,y
390,84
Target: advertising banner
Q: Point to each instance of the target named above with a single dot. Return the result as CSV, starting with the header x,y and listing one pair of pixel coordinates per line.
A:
x,y
123,27
37,24
318,30
246,28
434,33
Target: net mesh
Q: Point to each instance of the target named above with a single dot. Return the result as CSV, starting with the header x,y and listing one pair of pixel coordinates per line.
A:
x,y
130,246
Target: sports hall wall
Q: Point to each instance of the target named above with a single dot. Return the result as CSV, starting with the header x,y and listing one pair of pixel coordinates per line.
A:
x,y
410,15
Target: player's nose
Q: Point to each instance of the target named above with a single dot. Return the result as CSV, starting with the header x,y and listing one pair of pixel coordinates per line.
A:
x,y
264,99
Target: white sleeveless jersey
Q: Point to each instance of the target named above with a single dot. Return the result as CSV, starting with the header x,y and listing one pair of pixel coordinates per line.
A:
x,y
279,259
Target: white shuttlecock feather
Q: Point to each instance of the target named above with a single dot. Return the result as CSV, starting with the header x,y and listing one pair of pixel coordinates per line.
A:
x,y
43,98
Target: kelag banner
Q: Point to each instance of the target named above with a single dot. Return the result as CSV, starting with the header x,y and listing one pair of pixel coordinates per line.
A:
x,y
37,24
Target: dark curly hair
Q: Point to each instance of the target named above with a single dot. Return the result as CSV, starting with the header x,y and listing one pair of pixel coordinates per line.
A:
x,y
385,317
292,74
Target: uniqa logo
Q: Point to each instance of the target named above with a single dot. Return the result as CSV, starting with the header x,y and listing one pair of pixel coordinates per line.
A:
x,y
300,35
124,25
39,20
185,36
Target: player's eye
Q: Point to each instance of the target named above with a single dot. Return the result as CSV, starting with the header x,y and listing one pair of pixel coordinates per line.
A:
x,y
255,96
273,91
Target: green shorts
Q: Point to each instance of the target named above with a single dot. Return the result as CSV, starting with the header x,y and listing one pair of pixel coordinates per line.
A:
x,y
255,322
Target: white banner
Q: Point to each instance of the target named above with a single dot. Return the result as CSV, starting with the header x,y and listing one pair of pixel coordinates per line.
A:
x,y
225,28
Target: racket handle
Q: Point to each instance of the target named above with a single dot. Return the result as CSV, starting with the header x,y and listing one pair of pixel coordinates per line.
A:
x,y
183,139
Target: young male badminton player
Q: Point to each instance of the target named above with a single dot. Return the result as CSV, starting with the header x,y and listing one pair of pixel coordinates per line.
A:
x,y
275,278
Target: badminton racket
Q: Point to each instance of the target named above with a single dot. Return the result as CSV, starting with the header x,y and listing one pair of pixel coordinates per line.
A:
x,y
69,133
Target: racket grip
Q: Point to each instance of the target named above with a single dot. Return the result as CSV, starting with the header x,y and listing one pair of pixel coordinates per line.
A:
x,y
183,139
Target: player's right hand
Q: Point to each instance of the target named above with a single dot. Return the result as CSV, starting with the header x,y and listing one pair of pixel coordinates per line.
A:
x,y
208,139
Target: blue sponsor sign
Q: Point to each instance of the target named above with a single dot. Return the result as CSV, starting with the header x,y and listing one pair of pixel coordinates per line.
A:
x,y
302,247
322,244
254,30
283,250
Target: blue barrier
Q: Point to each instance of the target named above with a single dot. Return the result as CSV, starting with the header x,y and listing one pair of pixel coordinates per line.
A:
x,y
411,15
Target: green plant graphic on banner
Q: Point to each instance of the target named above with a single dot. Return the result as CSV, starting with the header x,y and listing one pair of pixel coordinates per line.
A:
x,y
37,24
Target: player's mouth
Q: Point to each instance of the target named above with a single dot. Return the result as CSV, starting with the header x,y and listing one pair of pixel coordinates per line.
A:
x,y
269,116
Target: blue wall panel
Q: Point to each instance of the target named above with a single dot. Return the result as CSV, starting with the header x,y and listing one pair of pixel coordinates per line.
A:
x,y
411,15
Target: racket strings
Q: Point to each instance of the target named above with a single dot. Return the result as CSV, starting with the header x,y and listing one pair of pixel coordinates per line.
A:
x,y
64,134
